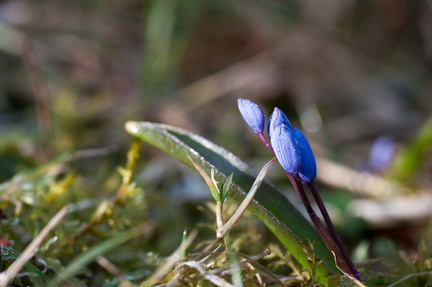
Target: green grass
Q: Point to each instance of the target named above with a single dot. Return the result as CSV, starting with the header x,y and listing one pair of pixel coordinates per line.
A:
x,y
347,73
116,240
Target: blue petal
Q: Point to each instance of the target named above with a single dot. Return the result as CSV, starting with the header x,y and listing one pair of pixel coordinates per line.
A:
x,y
252,114
308,167
276,119
286,149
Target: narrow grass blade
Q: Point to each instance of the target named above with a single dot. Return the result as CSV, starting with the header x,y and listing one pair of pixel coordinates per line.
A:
x,y
12,253
32,248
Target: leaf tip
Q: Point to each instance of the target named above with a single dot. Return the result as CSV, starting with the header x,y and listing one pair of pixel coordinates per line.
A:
x,y
132,127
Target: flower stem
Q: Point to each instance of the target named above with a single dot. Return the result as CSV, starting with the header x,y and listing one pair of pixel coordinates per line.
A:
x,y
220,221
219,214
247,200
265,141
332,240
324,233
332,230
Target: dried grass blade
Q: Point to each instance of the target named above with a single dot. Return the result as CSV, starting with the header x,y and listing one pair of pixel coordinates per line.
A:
x,y
32,248
171,260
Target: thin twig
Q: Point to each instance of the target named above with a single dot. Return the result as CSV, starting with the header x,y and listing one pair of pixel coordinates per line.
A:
x,y
243,206
208,248
221,232
227,269
252,260
170,261
410,276
113,269
207,275
32,248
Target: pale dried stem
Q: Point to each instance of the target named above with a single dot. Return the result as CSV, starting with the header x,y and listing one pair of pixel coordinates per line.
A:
x,y
170,261
361,183
113,269
32,248
410,276
248,199
222,231
219,214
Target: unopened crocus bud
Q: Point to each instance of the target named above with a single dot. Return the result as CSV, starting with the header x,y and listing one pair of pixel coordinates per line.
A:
x,y
252,114
308,167
286,149
276,119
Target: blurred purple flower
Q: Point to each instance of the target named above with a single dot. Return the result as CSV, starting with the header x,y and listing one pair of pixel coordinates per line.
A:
x,y
252,114
286,149
308,168
276,119
381,154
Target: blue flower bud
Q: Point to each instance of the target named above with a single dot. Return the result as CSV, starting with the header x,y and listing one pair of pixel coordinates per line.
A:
x,y
252,114
276,119
286,149
308,167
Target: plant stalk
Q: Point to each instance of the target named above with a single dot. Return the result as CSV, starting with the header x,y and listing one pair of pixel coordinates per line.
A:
x,y
223,230
332,239
324,233
332,230
247,200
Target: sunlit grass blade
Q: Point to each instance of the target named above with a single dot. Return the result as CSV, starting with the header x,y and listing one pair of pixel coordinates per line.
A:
x,y
271,206
210,183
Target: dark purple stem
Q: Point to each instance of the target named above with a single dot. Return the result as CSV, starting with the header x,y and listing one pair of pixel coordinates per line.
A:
x,y
332,230
324,233
332,240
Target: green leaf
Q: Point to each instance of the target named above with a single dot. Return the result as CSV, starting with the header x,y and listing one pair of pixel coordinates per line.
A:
x,y
226,187
270,205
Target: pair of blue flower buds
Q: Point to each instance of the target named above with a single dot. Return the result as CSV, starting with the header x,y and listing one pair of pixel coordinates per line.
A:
x,y
289,144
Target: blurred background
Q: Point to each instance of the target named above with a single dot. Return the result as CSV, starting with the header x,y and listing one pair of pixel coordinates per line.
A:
x,y
354,75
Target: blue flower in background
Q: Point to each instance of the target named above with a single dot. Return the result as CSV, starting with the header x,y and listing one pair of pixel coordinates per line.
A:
x,y
286,149
308,168
381,154
276,119
252,114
